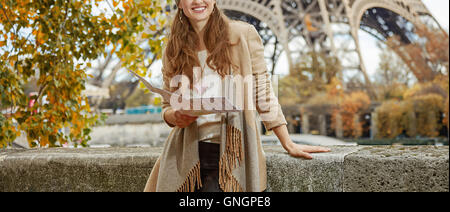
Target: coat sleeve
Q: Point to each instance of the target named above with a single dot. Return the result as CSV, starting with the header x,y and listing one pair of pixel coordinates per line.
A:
x,y
166,86
264,98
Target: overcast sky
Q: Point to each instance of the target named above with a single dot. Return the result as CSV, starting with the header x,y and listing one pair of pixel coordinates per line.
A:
x,y
439,9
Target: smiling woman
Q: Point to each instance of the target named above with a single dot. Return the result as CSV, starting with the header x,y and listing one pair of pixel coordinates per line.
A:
x,y
221,152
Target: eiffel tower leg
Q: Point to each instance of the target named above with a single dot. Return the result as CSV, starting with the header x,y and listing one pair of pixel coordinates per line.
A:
x,y
329,31
284,34
354,32
369,86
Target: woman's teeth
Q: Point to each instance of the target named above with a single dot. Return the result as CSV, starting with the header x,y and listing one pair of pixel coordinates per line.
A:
x,y
199,9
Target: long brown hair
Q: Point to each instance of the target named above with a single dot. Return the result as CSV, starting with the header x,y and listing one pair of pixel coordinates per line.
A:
x,y
181,50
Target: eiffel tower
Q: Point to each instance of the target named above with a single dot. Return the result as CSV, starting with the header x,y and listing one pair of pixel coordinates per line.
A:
x,y
330,26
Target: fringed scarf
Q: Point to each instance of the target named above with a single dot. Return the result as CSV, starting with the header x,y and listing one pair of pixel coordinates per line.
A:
x,y
180,163
178,168
229,160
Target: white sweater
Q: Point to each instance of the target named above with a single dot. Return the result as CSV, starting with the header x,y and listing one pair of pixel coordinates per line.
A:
x,y
210,85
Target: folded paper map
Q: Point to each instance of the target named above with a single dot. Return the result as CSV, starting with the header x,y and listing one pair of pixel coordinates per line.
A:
x,y
198,106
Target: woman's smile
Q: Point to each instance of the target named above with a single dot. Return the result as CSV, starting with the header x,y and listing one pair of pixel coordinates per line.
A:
x,y
199,9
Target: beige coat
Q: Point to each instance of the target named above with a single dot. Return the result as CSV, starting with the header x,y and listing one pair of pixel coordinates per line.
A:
x,y
243,164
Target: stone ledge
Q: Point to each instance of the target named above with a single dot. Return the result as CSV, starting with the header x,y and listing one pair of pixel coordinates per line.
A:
x,y
346,169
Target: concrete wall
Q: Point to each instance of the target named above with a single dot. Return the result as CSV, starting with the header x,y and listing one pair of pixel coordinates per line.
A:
x,y
346,169
149,134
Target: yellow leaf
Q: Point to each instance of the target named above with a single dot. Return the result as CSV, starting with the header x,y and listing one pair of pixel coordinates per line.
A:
x,y
114,48
157,101
126,7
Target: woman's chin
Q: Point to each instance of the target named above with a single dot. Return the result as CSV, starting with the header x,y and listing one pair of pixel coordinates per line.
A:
x,y
199,18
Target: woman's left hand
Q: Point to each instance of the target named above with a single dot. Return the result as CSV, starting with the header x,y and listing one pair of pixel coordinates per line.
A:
x,y
303,151
296,150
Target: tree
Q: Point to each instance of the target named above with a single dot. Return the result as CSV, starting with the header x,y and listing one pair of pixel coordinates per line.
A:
x,y
139,98
417,112
393,76
348,105
119,94
308,78
140,46
55,40
355,105
350,108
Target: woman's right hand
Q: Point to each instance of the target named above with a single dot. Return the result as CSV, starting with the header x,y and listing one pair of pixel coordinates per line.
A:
x,y
178,119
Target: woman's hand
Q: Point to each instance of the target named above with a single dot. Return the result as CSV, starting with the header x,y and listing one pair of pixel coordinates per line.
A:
x,y
179,119
302,151
296,150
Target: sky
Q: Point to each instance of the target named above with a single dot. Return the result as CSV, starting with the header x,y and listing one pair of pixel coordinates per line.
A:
x,y
438,8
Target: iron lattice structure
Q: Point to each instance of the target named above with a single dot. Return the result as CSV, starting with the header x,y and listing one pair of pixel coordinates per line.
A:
x,y
330,26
